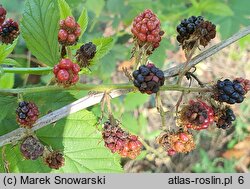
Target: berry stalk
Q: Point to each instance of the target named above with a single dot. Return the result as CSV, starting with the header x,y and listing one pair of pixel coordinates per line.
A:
x,y
98,88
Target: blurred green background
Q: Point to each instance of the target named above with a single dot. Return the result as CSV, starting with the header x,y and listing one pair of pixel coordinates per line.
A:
x,y
217,151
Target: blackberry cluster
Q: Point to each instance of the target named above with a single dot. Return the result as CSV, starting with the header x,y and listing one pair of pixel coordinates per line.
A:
x,y
54,160
176,142
146,29
119,141
85,54
148,78
225,119
31,148
69,32
66,72
9,31
197,115
228,91
26,114
195,28
2,14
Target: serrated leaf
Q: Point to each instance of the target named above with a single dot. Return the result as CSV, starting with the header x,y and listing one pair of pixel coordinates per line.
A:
x,y
7,81
9,102
11,62
77,138
5,50
40,29
83,21
103,46
65,9
95,6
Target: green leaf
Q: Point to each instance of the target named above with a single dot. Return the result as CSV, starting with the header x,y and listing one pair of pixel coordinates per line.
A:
x,y
7,81
65,10
135,100
40,29
215,7
103,46
5,50
83,21
95,6
9,102
77,138
11,62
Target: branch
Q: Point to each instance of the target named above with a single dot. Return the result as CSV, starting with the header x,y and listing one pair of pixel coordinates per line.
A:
x,y
91,100
209,52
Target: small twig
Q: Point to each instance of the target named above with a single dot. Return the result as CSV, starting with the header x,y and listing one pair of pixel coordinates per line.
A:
x,y
25,57
189,75
5,161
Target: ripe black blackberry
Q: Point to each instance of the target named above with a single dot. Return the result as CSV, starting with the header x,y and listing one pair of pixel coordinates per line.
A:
x,y
228,91
85,54
26,114
9,31
148,78
226,118
2,14
195,28
31,148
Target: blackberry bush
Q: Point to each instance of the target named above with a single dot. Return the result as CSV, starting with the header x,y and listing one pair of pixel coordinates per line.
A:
x,y
26,114
148,78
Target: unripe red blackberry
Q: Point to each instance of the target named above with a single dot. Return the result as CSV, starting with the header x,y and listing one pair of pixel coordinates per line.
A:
x,y
148,78
2,14
119,141
176,142
54,160
66,72
9,31
195,29
230,92
146,29
69,31
85,54
26,114
31,148
196,115
224,116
